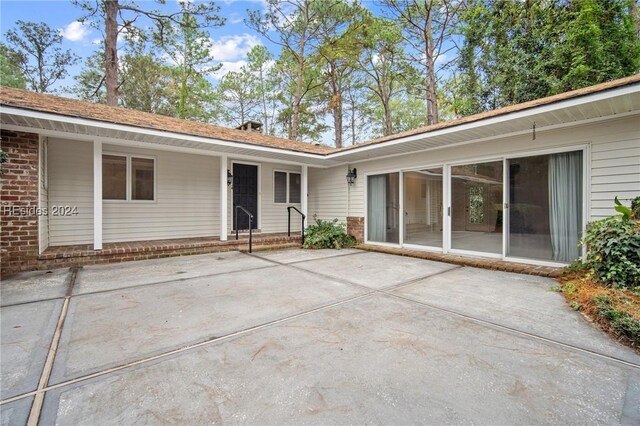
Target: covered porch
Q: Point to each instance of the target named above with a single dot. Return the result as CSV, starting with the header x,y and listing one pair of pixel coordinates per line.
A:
x,y
111,201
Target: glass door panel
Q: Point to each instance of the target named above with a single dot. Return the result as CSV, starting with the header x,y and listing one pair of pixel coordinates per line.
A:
x,y
476,207
423,207
383,209
545,207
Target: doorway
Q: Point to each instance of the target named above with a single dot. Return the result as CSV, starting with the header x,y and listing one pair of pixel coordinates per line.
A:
x,y
476,207
245,194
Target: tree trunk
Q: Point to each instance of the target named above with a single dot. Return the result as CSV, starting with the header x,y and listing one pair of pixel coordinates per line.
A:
x,y
432,99
336,105
297,98
111,51
183,81
265,118
635,15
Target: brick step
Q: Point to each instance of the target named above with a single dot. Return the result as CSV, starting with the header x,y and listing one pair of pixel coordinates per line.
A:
x,y
70,256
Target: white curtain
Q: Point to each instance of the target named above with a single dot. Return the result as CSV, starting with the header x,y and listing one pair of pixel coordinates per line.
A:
x,y
377,214
565,205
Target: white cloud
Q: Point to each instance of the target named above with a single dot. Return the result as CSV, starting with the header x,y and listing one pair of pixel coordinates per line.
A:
x,y
75,31
232,48
228,66
235,18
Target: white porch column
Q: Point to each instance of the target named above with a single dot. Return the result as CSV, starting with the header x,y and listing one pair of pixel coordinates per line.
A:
x,y
304,190
223,198
97,195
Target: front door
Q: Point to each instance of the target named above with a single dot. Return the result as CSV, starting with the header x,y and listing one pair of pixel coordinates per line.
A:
x,y
245,194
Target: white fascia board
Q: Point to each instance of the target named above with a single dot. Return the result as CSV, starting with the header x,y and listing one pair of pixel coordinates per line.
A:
x,y
151,132
554,106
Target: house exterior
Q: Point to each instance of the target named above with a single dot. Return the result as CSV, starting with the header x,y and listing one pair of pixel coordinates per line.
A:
x,y
87,183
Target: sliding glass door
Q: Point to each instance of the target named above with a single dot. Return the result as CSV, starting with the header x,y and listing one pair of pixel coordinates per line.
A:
x,y
423,207
545,207
383,208
476,207
540,217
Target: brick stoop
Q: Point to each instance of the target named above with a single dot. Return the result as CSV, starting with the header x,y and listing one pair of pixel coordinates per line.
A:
x,y
498,265
81,255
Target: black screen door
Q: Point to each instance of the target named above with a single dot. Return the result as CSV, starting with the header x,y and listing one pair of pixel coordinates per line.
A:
x,y
245,194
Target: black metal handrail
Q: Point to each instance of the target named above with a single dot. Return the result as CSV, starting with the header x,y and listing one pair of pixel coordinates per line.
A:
x,y
289,221
250,227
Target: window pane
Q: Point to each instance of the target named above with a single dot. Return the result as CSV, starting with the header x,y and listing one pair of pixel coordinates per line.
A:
x,y
294,187
114,177
423,207
280,187
383,208
476,207
142,179
545,207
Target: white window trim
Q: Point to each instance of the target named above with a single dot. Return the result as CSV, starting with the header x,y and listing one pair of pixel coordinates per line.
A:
x,y
287,189
129,197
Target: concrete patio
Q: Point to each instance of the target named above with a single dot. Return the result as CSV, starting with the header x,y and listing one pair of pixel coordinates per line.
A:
x,y
293,336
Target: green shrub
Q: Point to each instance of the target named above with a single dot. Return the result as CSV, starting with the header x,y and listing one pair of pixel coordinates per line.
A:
x,y
613,251
622,322
328,234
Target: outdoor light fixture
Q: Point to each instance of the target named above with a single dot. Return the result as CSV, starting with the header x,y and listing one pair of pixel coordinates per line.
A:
x,y
229,178
352,174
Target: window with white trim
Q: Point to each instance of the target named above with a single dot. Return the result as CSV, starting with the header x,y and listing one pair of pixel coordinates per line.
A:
x,y
128,177
286,187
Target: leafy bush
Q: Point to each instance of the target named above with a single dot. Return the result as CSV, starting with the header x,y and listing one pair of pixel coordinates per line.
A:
x,y
328,234
613,250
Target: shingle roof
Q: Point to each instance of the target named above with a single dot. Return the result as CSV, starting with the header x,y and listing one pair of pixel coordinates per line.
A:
x,y
25,99
74,108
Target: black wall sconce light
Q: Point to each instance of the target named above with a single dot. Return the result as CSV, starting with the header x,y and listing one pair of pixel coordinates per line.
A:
x,y
352,174
229,178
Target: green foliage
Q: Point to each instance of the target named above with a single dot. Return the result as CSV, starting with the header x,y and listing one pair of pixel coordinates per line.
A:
x,y
622,322
328,234
239,91
625,211
38,54
189,46
613,251
599,44
516,51
10,73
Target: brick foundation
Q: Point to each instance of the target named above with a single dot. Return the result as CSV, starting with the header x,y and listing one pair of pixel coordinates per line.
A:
x,y
19,202
82,255
355,228
475,262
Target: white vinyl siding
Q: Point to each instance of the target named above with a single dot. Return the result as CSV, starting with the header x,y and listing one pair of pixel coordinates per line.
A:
x,y
614,167
186,204
70,178
328,192
615,171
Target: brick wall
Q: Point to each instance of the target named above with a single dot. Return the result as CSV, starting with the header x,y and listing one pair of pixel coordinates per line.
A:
x,y
19,202
355,228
